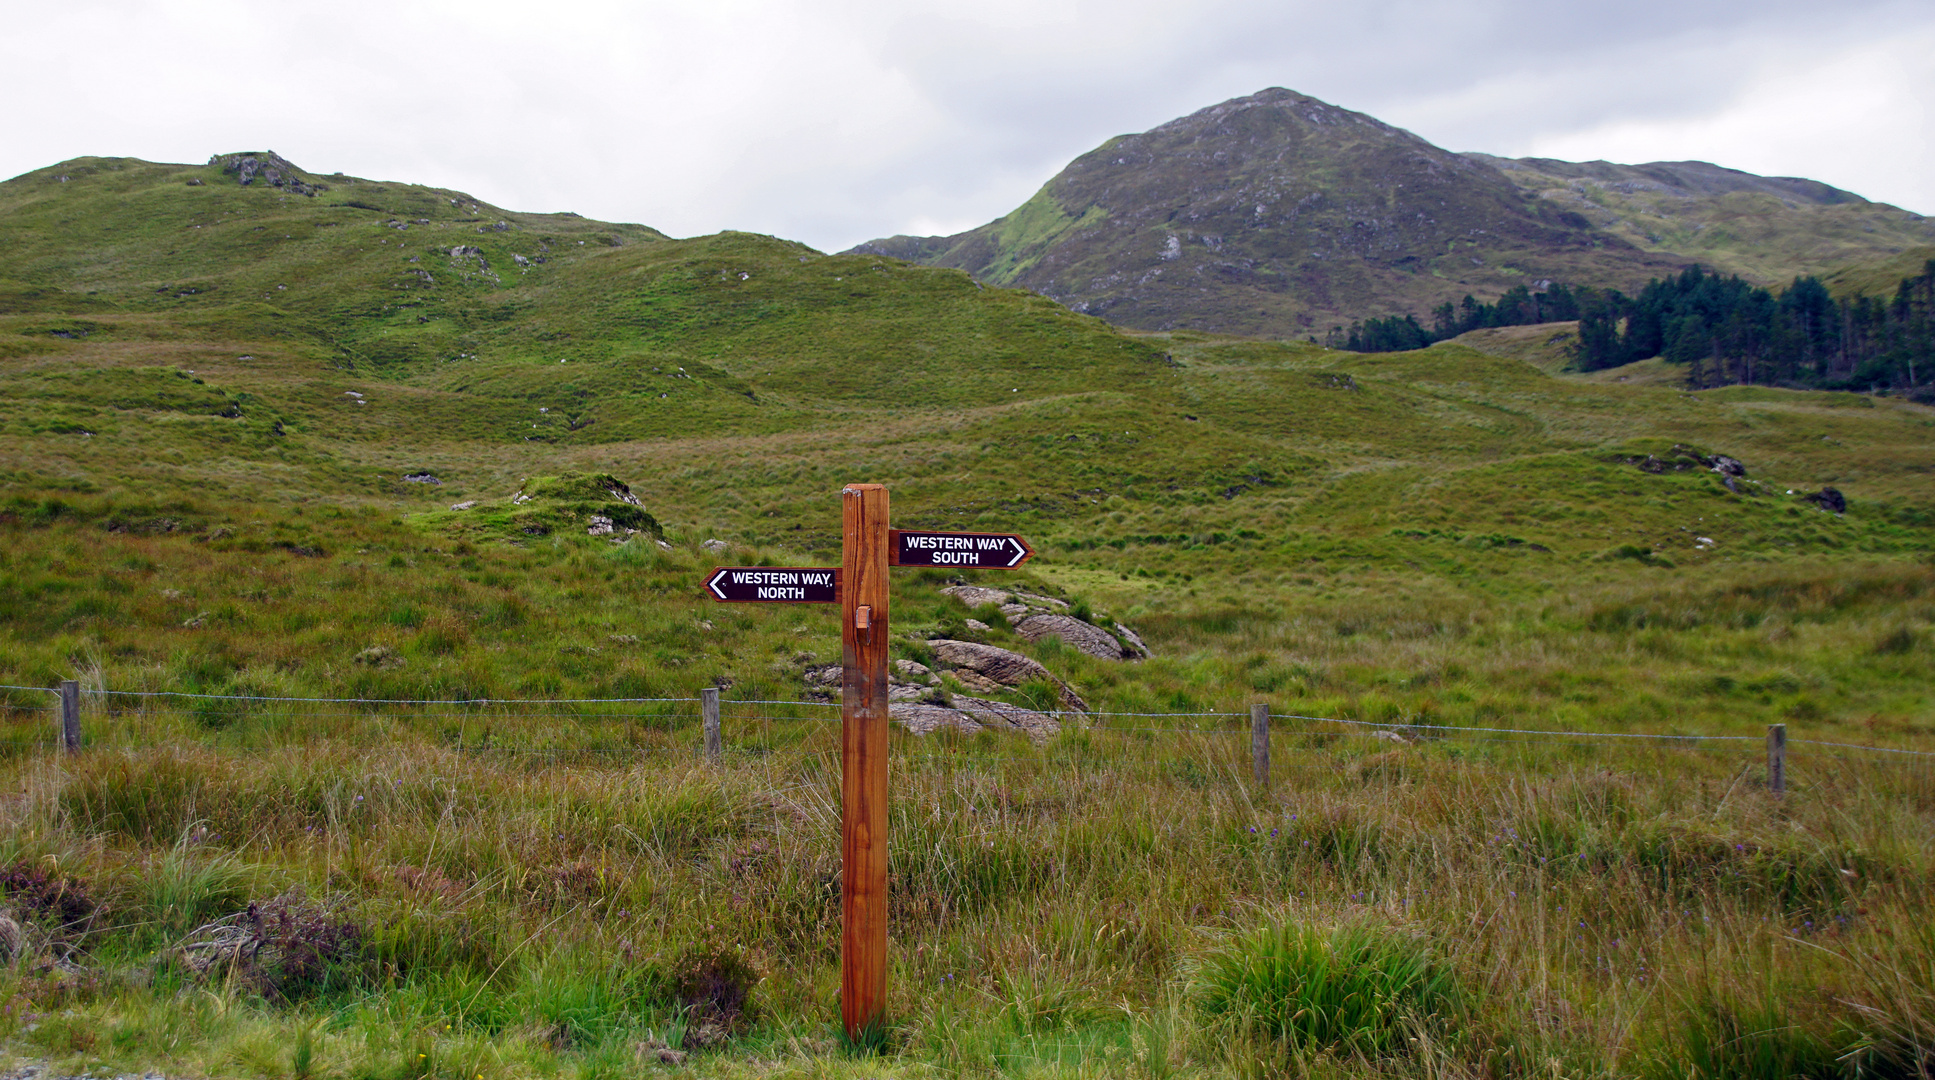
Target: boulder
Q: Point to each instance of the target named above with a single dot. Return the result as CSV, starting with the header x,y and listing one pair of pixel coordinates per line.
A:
x,y
1000,714
925,719
978,682
976,595
971,714
1086,637
1830,500
1045,616
272,167
1040,601
1003,667
906,682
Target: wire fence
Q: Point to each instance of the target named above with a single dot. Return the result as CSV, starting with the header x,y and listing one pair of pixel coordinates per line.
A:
x,y
609,728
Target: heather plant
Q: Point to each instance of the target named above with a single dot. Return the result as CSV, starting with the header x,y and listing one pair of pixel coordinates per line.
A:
x,y
40,893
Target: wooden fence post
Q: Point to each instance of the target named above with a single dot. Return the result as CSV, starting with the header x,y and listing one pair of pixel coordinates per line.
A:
x,y
863,759
1260,743
709,707
70,715
1777,758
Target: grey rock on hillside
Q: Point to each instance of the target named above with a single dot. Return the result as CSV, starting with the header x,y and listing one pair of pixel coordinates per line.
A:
x,y
972,714
1086,637
1003,666
1035,617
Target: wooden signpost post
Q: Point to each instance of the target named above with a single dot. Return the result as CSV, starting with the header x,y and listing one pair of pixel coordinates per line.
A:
x,y
859,586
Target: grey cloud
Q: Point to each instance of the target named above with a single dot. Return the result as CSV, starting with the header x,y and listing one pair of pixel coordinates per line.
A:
x,y
834,124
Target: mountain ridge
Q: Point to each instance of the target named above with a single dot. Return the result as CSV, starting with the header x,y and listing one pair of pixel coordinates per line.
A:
x,y
1277,214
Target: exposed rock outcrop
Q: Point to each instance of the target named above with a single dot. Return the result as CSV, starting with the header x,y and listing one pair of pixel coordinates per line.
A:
x,y
1035,617
274,170
1086,637
975,596
972,714
1004,667
1830,500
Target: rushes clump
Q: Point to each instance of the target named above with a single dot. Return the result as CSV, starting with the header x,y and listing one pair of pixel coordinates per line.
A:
x,y
1353,989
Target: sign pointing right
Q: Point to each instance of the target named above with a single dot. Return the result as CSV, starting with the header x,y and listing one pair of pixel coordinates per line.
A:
x,y
998,550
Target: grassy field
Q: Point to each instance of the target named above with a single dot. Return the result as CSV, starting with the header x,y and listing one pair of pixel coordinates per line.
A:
x,y
204,493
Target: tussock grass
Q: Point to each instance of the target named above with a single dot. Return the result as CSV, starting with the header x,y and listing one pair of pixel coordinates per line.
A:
x,y
1351,989
1106,901
193,501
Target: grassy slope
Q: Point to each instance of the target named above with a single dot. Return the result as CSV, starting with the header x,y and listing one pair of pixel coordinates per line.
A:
x,y
1883,277
1448,536
1761,237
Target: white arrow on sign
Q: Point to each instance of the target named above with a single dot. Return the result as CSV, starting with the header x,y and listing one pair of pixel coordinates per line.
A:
x,y
714,584
1020,552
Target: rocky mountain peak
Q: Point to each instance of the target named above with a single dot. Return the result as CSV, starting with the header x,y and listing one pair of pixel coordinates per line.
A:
x,y
1277,214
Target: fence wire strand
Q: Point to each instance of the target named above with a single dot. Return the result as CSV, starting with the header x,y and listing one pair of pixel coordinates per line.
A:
x,y
374,701
1095,722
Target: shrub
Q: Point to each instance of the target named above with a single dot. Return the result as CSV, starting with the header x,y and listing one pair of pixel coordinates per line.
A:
x,y
286,948
54,898
714,985
303,942
1352,988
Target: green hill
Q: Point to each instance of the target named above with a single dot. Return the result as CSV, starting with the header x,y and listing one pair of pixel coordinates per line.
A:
x,y
1881,278
1768,230
420,494
174,337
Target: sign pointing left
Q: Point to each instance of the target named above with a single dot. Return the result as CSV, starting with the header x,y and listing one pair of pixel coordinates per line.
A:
x,y
775,584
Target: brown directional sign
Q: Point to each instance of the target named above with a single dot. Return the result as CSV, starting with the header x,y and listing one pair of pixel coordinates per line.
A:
x,y
859,586
775,584
1001,551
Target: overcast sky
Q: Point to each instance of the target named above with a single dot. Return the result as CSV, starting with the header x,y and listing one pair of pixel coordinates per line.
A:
x,y
836,122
